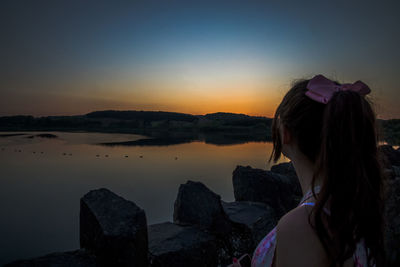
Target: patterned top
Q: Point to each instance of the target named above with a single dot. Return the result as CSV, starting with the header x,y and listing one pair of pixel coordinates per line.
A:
x,y
264,254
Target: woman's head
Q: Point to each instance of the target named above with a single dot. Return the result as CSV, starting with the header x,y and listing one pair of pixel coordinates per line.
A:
x,y
340,138
302,118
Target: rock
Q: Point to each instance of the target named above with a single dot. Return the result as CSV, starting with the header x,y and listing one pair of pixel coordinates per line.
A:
x,y
258,217
78,258
285,168
176,245
288,170
198,205
114,229
392,216
390,156
256,185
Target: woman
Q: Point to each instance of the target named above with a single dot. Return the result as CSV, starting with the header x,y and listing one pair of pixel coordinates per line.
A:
x,y
328,131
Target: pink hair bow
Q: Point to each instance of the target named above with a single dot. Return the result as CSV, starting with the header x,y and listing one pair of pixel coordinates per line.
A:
x,y
321,89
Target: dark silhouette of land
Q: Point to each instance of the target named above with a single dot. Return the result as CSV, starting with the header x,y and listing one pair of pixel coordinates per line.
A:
x,y
168,128
44,135
9,135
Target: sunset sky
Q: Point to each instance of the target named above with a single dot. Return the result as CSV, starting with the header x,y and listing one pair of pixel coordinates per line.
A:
x,y
73,57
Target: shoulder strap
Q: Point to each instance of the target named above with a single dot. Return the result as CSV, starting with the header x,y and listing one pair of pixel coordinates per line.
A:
x,y
312,204
307,204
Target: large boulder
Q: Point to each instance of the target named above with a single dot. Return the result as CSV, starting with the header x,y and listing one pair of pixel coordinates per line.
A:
x,y
78,258
197,205
259,218
287,169
257,185
114,229
176,245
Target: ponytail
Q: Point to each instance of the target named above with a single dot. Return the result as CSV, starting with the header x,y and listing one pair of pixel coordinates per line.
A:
x,y
351,176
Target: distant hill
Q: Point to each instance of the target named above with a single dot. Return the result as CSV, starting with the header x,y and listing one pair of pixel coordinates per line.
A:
x,y
162,123
141,122
235,119
142,115
226,116
163,115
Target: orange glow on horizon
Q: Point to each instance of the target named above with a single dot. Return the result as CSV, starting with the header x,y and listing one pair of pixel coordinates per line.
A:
x,y
254,99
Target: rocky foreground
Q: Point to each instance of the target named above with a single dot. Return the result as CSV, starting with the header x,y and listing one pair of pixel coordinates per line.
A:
x,y
206,231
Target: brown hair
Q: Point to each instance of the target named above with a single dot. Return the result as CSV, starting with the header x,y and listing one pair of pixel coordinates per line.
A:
x,y
340,138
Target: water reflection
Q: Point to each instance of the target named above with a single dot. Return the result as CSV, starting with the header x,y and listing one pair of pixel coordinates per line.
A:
x,y
40,191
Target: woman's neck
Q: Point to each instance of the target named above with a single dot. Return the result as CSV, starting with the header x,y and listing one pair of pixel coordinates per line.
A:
x,y
305,171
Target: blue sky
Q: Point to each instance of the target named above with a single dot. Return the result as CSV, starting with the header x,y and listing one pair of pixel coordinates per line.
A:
x,y
72,57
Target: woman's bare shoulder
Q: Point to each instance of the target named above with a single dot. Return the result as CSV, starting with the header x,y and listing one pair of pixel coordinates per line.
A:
x,y
295,224
297,243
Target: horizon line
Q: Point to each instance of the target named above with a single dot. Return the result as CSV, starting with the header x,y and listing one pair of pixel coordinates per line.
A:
x,y
83,114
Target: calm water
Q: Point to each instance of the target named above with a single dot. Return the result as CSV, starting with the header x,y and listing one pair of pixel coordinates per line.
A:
x,y
40,192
